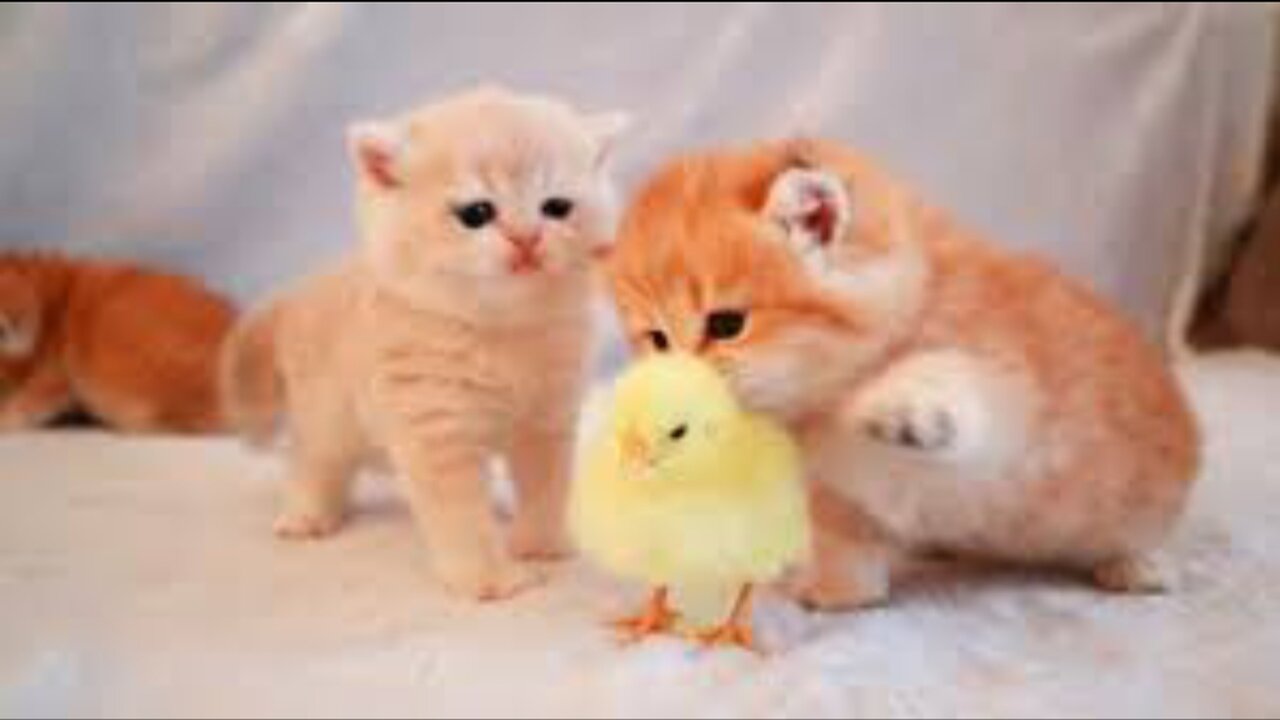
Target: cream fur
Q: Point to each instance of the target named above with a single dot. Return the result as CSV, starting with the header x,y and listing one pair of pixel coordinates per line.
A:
x,y
441,345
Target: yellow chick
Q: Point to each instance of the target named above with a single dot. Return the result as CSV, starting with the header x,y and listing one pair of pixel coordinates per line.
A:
x,y
683,490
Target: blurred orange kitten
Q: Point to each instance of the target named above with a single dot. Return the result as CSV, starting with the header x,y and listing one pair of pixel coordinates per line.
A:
x,y
949,394
134,348
459,331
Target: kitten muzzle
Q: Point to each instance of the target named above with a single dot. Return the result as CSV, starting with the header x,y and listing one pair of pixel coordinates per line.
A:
x,y
525,257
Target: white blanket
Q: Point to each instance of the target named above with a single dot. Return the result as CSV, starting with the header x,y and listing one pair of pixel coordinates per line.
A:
x,y
140,577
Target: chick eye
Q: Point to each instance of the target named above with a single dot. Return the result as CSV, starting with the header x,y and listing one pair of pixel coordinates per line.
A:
x,y
557,208
678,431
725,324
658,340
475,215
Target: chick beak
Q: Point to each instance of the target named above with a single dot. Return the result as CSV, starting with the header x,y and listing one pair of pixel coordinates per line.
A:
x,y
636,454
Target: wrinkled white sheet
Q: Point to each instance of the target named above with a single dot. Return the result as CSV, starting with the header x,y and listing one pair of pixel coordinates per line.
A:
x,y
140,577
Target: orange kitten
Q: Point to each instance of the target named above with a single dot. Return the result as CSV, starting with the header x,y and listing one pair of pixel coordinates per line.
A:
x,y
135,348
949,394
459,331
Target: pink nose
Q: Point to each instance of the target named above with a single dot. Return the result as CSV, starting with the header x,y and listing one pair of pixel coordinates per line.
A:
x,y
525,242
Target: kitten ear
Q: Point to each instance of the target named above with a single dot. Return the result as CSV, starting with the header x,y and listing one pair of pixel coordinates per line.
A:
x,y
605,129
378,148
812,206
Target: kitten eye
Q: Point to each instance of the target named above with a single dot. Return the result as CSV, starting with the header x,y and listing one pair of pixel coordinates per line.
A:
x,y
678,431
475,215
658,340
725,324
557,208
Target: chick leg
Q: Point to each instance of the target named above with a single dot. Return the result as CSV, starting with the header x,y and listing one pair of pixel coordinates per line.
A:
x,y
736,631
656,619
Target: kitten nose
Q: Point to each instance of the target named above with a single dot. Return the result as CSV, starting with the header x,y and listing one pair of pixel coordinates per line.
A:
x,y
525,240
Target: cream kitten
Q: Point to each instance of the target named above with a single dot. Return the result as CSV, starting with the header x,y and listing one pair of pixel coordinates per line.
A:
x,y
458,332
948,394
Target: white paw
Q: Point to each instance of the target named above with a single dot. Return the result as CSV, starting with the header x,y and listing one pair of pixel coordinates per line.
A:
x,y
291,525
851,587
538,543
935,402
489,582
913,423
1132,575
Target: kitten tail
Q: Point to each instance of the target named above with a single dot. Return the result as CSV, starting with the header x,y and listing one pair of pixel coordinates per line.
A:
x,y
249,380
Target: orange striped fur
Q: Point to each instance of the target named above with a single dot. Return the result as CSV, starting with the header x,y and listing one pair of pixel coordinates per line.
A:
x,y
949,394
135,348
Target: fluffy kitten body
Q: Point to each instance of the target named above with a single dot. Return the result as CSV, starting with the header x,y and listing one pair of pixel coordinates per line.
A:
x,y
135,348
949,394
460,331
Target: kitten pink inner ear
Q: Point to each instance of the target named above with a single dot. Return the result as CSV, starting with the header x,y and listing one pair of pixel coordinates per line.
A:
x,y
810,205
606,128
377,148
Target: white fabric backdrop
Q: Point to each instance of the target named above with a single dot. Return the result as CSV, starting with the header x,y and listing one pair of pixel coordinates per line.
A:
x,y
208,137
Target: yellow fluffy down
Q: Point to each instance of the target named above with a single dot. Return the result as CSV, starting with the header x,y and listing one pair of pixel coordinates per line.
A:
x,y
722,506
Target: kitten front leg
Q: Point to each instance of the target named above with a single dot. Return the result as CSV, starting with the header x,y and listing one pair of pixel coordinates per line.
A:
x,y
43,396
539,461
449,495
947,405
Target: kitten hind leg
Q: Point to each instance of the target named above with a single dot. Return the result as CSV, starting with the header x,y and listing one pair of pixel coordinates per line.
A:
x,y
1132,574
325,459
851,564
316,493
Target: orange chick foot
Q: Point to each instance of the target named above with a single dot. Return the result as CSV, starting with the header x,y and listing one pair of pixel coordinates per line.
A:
x,y
736,631
729,635
657,619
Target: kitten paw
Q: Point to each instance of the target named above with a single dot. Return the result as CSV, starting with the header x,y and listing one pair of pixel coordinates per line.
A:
x,y
915,425
537,543
941,403
1131,575
305,526
490,583
12,421
840,592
